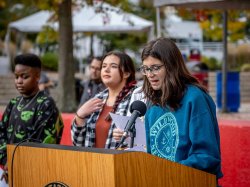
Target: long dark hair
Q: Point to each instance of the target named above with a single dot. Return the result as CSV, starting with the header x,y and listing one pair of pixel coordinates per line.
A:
x,y
177,75
126,65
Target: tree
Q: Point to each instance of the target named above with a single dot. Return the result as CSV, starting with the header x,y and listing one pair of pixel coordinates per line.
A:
x,y
211,23
11,10
66,82
132,41
66,87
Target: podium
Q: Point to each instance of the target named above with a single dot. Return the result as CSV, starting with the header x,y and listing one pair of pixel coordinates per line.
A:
x,y
40,165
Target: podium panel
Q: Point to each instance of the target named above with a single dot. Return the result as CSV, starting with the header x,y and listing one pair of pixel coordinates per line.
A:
x,y
40,164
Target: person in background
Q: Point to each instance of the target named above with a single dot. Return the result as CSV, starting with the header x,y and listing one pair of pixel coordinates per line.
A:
x,y
45,83
181,124
93,126
33,114
94,85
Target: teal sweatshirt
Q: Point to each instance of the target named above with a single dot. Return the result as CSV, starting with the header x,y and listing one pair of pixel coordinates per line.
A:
x,y
189,135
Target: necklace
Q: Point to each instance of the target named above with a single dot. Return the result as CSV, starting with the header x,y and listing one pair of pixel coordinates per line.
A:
x,y
20,107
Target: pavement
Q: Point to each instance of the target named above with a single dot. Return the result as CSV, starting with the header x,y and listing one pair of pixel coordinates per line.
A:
x,y
4,65
242,114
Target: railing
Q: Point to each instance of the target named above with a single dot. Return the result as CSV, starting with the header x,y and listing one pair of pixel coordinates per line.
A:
x,y
208,49
213,46
203,46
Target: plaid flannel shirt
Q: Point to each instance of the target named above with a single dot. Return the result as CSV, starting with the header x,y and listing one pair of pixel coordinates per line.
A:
x,y
85,136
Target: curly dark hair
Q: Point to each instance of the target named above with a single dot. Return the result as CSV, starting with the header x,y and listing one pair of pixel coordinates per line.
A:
x,y
28,59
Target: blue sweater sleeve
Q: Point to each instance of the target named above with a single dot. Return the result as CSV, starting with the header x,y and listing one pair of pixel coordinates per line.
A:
x,y
192,132
204,153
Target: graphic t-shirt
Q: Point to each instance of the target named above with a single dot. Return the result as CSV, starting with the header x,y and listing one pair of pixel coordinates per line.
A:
x,y
36,117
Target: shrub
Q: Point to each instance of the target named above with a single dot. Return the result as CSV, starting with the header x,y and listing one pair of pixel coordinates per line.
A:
x,y
245,67
238,55
212,63
50,61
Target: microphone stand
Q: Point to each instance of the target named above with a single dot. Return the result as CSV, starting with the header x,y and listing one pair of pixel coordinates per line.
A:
x,y
132,136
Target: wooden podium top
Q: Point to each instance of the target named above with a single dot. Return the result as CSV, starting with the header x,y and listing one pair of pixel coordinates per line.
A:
x,y
40,164
73,148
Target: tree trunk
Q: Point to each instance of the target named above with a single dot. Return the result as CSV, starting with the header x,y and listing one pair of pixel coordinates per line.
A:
x,y
66,86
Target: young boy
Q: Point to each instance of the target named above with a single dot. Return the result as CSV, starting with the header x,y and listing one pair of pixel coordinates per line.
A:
x,y
33,114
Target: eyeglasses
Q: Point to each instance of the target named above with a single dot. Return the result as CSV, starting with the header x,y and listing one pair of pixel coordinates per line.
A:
x,y
154,69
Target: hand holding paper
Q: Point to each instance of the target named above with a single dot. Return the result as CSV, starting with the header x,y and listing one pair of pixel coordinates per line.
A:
x,y
121,121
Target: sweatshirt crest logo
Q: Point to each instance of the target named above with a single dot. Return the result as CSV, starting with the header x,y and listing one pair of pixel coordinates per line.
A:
x,y
164,137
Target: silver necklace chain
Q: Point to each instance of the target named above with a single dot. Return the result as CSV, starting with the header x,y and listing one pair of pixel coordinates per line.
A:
x,y
20,107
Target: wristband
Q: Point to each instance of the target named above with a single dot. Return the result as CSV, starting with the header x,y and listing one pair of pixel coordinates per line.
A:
x,y
79,116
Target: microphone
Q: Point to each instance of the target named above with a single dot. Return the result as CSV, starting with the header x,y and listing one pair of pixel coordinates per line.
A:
x,y
137,109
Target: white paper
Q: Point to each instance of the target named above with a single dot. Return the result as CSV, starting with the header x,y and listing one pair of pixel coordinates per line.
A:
x,y
137,148
121,121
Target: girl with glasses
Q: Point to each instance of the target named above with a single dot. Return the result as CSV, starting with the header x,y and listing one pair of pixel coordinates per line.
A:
x,y
181,123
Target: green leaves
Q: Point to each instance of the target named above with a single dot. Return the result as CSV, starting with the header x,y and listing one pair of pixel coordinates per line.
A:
x,y
211,23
